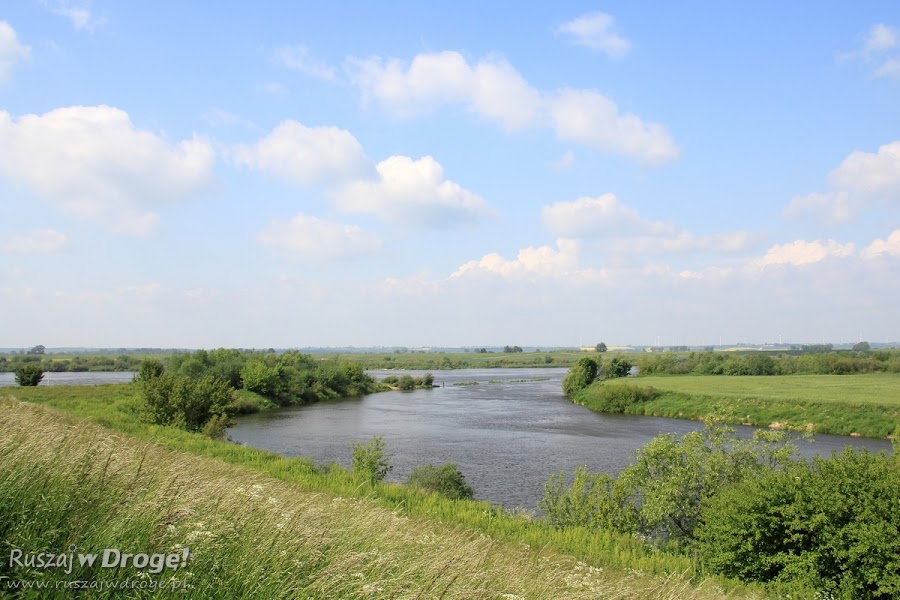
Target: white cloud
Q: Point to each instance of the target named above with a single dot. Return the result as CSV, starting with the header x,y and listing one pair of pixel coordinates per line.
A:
x,y
879,39
305,155
495,91
299,58
530,263
800,253
890,68
492,88
310,237
622,228
412,192
603,216
11,50
79,14
93,163
596,31
863,179
888,247
590,118
38,241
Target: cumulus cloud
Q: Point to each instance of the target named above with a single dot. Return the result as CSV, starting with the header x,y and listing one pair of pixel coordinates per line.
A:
x,y
884,248
605,217
862,180
305,155
38,241
495,91
800,253
595,31
530,263
310,237
299,58
92,162
412,192
491,88
11,50
590,118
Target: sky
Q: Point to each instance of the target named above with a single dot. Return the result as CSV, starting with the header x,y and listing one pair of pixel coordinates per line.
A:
x,y
294,174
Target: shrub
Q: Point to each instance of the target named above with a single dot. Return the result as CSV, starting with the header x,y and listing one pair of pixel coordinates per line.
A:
x,y
181,401
616,398
369,460
150,368
833,525
618,366
406,383
446,480
29,374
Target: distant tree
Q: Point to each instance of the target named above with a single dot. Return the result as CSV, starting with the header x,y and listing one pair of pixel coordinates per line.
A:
x,y
862,346
481,351
510,349
29,374
601,347
39,349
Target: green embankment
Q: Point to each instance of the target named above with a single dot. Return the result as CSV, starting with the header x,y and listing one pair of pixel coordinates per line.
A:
x,y
865,405
323,534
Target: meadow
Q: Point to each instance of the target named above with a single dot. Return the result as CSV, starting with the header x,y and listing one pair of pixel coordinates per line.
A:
x,y
866,405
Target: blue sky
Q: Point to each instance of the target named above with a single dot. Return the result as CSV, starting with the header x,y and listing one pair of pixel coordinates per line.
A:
x,y
314,174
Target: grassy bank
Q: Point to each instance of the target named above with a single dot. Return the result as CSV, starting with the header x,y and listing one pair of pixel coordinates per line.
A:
x,y
866,405
266,526
435,361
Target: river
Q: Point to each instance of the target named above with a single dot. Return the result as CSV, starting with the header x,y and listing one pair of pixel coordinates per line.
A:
x,y
74,378
505,434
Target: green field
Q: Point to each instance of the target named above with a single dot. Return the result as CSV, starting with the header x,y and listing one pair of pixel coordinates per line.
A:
x,y
865,405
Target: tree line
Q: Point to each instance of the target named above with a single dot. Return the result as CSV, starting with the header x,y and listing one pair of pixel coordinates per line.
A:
x,y
765,363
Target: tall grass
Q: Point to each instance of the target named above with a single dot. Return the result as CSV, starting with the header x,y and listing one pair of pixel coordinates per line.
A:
x,y
64,482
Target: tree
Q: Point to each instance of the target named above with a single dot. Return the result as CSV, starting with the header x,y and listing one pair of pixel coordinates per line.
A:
x,y
446,480
861,347
39,349
509,349
619,366
580,375
29,374
369,460
601,347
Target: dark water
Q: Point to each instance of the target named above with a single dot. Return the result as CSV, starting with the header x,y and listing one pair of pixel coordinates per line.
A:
x,y
506,437
82,378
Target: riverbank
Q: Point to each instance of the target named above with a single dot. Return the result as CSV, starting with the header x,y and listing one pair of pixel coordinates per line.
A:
x,y
850,405
325,534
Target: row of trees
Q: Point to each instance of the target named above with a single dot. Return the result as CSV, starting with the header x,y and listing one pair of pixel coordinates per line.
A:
x,y
764,363
197,391
48,363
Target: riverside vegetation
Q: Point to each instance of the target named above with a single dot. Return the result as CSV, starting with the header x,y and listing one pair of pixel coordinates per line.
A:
x,y
745,508
262,525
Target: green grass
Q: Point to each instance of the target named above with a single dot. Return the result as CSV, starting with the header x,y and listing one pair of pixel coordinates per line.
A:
x,y
261,525
116,407
866,405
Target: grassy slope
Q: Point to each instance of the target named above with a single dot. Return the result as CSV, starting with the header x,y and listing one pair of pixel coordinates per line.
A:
x,y
868,405
64,481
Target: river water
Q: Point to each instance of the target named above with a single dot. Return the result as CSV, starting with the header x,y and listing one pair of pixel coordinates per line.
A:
x,y
77,378
506,435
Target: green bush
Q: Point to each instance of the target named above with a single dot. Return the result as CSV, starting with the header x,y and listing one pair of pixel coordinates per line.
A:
x,y
615,398
406,383
369,460
446,480
580,375
832,525
618,366
184,402
29,374
150,368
